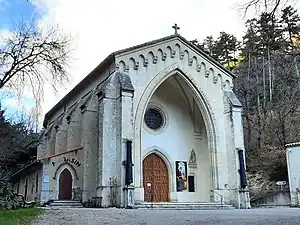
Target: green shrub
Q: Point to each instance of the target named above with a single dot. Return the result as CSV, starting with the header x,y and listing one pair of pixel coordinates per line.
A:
x,y
8,199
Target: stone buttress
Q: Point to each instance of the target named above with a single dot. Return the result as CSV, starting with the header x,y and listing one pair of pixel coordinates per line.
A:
x,y
89,142
115,127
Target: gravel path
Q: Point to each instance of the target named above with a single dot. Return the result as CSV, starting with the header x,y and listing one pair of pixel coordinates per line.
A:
x,y
290,216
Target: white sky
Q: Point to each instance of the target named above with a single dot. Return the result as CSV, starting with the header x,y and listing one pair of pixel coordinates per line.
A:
x,y
100,27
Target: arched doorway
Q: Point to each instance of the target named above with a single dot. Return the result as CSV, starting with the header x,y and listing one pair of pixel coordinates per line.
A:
x,y
203,121
155,173
65,185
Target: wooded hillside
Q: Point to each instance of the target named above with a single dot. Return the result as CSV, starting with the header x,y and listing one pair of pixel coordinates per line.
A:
x,y
267,65
18,143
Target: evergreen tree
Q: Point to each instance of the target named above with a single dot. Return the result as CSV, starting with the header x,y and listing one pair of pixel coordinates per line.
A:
x,y
269,33
290,23
250,39
267,86
225,48
201,45
14,141
209,45
198,44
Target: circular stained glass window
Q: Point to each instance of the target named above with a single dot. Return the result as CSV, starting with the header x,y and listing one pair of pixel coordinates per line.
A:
x,y
154,119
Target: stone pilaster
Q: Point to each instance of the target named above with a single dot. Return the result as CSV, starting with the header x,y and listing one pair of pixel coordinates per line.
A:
x,y
238,127
126,134
61,136
234,193
45,187
219,158
50,142
220,166
89,143
42,147
115,127
239,195
109,180
128,197
74,142
243,199
74,129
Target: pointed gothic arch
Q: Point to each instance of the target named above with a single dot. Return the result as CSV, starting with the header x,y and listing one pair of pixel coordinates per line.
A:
x,y
71,176
63,165
65,185
204,107
168,161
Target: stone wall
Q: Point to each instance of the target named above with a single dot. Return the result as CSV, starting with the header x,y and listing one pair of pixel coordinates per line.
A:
x,y
91,127
280,198
28,185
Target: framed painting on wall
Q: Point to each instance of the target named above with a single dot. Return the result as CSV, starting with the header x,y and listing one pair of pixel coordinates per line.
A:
x,y
181,176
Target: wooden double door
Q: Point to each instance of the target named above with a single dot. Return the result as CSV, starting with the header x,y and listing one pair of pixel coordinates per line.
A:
x,y
155,179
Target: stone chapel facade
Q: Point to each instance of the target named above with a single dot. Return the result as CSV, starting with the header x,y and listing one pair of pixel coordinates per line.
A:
x,y
175,106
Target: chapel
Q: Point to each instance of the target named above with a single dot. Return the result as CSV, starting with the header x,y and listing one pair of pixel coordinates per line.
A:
x,y
157,122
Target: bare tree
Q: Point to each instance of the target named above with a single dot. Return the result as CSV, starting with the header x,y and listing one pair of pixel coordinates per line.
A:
x,y
268,6
31,56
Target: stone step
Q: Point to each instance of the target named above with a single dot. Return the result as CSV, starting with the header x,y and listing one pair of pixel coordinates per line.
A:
x,y
65,201
69,204
66,204
185,206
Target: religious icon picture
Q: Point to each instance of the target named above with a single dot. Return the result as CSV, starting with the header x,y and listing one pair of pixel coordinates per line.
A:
x,y
181,176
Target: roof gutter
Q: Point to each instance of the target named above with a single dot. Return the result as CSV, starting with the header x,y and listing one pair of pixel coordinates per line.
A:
x,y
58,154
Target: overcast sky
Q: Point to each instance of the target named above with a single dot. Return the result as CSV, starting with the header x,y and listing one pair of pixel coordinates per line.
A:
x,y
100,27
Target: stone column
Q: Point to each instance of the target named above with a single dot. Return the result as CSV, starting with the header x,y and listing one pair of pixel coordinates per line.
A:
x,y
89,143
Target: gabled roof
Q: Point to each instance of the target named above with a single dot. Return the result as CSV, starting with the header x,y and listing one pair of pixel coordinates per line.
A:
x,y
110,59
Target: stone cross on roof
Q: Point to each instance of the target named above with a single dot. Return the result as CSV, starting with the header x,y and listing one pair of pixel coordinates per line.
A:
x,y
176,28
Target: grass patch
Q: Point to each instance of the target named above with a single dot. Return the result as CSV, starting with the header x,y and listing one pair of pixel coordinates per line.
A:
x,y
19,216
